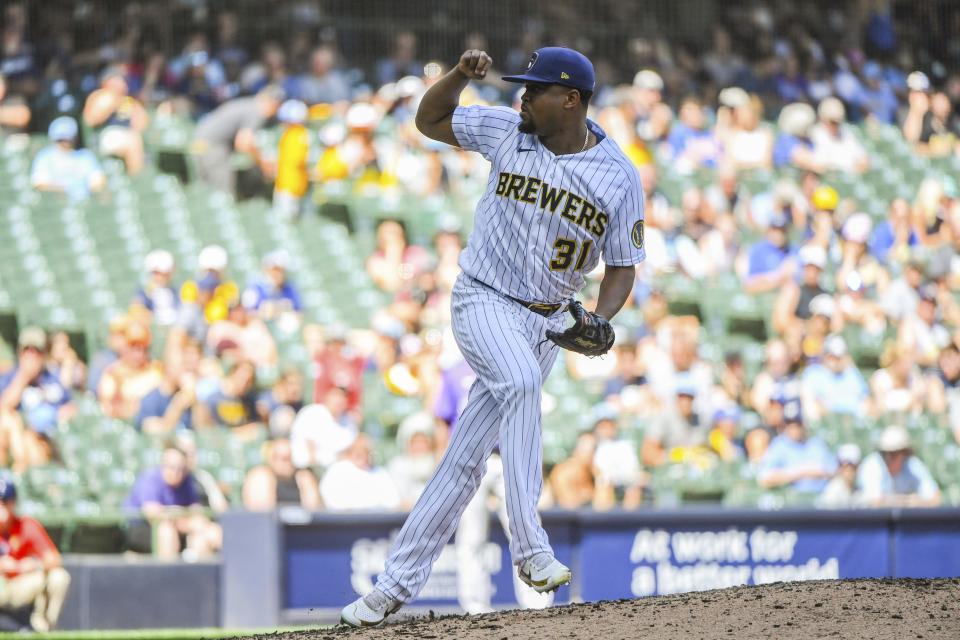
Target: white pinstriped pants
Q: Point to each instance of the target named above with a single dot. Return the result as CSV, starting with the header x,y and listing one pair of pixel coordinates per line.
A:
x,y
499,339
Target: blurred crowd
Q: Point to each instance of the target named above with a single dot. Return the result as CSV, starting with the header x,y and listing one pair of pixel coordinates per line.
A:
x,y
363,426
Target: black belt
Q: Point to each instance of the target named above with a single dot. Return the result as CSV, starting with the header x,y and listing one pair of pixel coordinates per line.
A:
x,y
543,308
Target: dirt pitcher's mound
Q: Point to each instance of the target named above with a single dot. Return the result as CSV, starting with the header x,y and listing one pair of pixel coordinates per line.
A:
x,y
868,609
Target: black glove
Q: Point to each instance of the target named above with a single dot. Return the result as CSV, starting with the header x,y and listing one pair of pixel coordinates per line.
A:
x,y
590,334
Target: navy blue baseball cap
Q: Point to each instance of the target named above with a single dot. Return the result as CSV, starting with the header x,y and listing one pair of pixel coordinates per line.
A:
x,y
8,490
558,65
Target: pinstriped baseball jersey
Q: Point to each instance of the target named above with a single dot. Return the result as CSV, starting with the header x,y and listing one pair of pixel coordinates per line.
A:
x,y
545,219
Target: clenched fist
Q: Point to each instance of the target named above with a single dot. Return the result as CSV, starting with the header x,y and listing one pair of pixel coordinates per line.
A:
x,y
474,64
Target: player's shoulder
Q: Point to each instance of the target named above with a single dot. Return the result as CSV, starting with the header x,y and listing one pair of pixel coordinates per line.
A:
x,y
618,163
495,116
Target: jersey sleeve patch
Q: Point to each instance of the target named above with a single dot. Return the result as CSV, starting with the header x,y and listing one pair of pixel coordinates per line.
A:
x,y
637,234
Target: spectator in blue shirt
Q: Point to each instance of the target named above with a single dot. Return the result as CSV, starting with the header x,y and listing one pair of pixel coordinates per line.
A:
x,y
63,168
892,238
33,402
770,261
795,459
894,477
165,509
834,385
877,97
272,295
693,144
157,294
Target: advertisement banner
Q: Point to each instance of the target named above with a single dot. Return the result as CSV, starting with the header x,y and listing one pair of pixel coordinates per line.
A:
x,y
622,561
926,550
327,567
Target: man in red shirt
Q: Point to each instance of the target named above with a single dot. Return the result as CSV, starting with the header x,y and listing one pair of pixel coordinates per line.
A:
x,y
32,569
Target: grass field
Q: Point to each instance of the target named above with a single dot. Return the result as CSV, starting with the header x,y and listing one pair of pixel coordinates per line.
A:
x,y
152,634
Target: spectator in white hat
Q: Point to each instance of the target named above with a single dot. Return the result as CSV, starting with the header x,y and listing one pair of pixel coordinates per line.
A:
x,y
855,256
893,476
834,385
157,294
412,468
841,492
834,145
652,116
747,142
272,296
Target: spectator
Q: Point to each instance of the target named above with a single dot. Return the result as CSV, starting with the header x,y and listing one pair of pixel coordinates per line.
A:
x,y
395,263
402,61
793,301
157,295
272,296
945,387
835,385
651,115
232,127
63,168
777,379
573,480
243,336
65,364
318,438
279,406
683,367
128,380
692,144
118,119
33,572
898,387
922,333
14,111
278,483
893,476
354,483
166,515
675,432
748,143
33,403
414,466
336,365
841,492
796,459
770,262
901,298
170,406
292,179
323,84
835,148
918,107
116,341
233,404
940,127
794,146
855,257
893,238
877,98
616,469
723,438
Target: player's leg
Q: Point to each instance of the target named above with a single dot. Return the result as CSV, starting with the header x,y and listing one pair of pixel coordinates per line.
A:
x,y
434,517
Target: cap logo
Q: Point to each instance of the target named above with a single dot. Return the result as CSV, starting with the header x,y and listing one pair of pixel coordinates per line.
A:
x,y
533,60
564,75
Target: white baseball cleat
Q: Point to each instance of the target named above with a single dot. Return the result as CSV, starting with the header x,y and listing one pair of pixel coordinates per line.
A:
x,y
370,610
544,573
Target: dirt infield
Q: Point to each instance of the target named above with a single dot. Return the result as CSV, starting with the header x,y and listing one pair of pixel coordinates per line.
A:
x,y
868,609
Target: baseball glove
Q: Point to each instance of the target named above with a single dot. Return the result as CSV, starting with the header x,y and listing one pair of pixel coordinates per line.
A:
x,y
590,334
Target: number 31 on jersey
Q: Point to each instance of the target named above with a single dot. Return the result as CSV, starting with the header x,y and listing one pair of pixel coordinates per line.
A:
x,y
564,250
